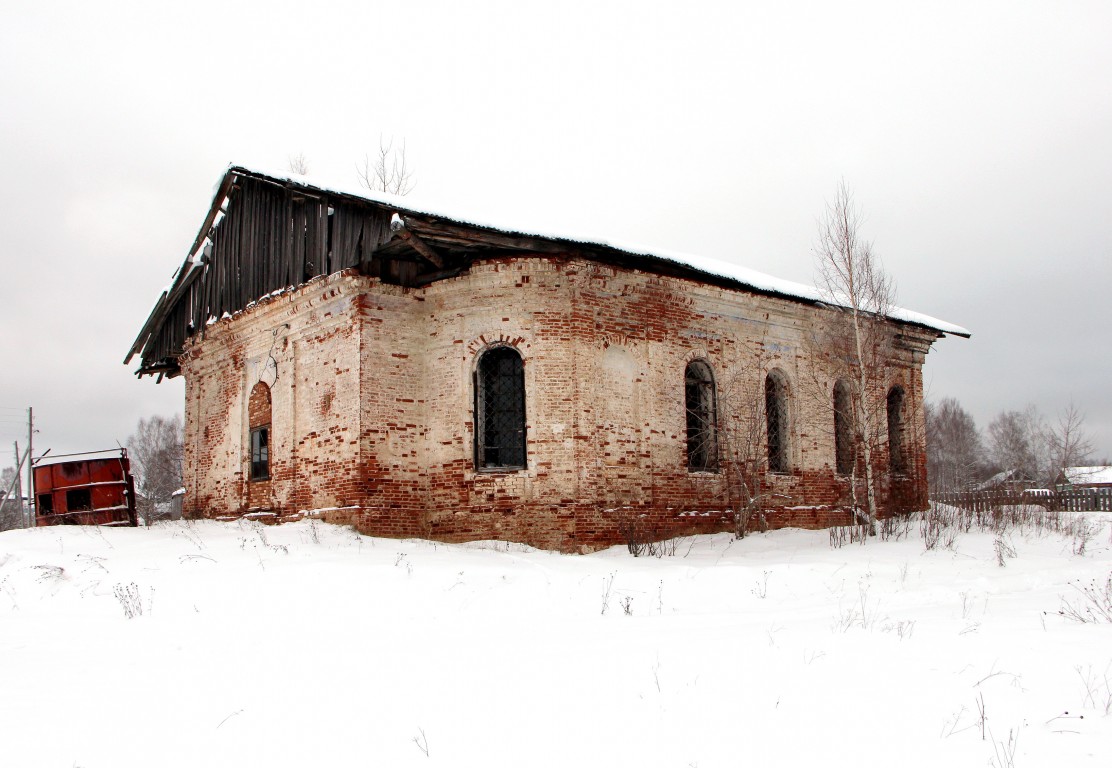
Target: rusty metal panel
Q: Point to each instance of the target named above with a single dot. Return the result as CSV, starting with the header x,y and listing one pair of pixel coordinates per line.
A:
x,y
85,489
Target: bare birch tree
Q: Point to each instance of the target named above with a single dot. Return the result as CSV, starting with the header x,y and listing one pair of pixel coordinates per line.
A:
x,y
955,456
1068,442
388,171
156,451
1023,442
852,279
298,164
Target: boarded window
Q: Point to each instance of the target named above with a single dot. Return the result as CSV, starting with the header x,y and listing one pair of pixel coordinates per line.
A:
x,y
843,428
258,417
500,410
897,460
702,440
777,422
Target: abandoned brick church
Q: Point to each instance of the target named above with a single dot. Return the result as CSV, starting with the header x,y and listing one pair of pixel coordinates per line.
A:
x,y
417,375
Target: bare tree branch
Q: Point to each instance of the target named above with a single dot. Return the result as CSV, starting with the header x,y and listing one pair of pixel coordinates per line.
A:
x,y
388,171
298,164
156,451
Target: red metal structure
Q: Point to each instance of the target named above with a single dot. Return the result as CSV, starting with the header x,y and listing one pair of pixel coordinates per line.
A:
x,y
93,488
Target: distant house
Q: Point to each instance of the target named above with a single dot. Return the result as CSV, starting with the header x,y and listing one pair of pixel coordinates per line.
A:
x,y
1085,477
1007,480
420,374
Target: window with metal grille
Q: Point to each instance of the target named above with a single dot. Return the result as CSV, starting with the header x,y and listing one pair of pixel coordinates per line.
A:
x,y
897,461
776,418
500,410
843,428
702,439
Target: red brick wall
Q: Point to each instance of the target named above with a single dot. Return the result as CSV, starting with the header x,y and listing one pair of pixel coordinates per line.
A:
x,y
372,403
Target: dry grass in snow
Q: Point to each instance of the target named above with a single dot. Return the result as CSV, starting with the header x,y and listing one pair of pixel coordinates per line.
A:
x,y
308,645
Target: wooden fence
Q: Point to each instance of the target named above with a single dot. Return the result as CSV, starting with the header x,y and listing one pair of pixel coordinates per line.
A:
x,y
1074,500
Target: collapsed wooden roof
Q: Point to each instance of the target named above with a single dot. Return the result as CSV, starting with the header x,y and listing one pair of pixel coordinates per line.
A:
x,y
264,233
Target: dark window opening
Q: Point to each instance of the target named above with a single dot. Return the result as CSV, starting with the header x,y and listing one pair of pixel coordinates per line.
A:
x,y
702,442
258,422
78,499
843,429
776,418
500,410
260,453
897,460
46,503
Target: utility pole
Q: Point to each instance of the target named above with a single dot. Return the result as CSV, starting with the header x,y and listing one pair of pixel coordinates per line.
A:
x,y
30,466
19,487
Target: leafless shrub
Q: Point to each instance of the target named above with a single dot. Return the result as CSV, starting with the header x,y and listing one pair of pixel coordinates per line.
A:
x,y
1098,689
1003,548
129,599
840,535
607,588
980,702
634,532
422,741
865,614
1005,751
1093,604
642,539
904,628
48,573
968,602
939,526
895,528
760,589
627,605
1083,531
401,560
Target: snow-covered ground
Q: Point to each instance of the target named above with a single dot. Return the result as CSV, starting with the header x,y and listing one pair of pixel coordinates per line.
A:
x,y
212,644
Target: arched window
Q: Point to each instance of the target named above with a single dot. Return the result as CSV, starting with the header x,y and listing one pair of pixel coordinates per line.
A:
x,y
777,422
702,439
500,410
843,428
258,420
897,461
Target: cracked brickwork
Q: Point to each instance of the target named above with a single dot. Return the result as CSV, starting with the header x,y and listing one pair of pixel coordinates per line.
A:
x,y
372,404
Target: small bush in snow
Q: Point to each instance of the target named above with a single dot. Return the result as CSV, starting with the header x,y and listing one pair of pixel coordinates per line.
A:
x,y
1003,548
1098,690
129,599
840,535
1094,604
895,528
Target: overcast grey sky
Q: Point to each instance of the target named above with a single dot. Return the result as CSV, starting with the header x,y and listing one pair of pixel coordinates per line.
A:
x,y
977,137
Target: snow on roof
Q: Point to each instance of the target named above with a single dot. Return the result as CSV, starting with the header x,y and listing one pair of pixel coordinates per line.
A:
x,y
1089,475
749,277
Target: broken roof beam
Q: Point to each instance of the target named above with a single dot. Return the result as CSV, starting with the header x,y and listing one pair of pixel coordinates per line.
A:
x,y
438,229
397,224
